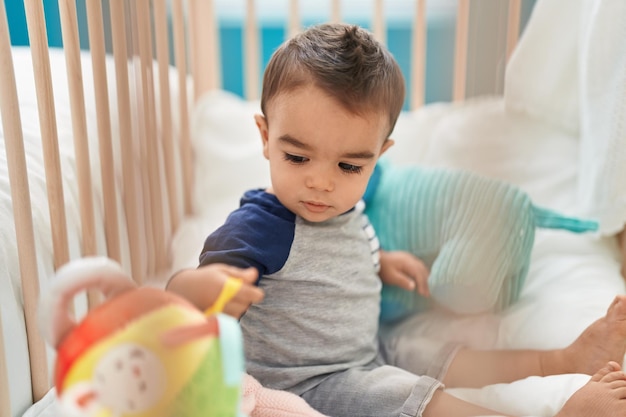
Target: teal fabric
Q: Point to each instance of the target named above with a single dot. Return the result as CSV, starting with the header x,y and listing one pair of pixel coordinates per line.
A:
x,y
474,233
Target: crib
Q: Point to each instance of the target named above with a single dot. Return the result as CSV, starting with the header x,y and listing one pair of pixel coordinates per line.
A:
x,y
132,148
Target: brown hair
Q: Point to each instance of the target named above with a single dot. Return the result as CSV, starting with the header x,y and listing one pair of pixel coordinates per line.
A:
x,y
346,62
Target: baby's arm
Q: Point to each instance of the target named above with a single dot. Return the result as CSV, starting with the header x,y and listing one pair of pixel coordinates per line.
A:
x,y
203,285
404,270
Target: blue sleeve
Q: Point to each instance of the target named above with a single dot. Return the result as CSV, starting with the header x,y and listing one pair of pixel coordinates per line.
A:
x,y
251,236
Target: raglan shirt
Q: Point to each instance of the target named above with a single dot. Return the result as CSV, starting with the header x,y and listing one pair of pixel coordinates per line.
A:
x,y
322,291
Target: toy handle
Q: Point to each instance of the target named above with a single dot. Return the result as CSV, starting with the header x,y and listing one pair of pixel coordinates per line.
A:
x,y
229,290
82,274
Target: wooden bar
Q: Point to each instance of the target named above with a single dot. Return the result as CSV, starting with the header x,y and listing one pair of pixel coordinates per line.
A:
x,y
378,24
162,50
120,53
71,47
460,51
103,115
335,11
140,133
20,198
204,41
513,24
418,56
293,26
48,125
155,230
251,53
186,158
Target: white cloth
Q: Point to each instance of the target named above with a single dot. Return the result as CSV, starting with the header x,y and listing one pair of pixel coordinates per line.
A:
x,y
569,70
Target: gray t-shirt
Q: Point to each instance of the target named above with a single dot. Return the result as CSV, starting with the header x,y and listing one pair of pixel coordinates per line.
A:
x,y
322,291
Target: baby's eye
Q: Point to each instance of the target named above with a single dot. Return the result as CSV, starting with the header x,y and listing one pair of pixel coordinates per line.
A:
x,y
349,168
295,158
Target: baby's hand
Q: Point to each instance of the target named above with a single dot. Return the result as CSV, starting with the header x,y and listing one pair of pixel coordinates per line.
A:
x,y
404,270
202,287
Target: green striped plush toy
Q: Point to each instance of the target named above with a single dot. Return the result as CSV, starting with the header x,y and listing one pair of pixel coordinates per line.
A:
x,y
474,233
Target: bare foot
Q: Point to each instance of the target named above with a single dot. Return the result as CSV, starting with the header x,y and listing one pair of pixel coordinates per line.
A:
x,y
603,396
601,342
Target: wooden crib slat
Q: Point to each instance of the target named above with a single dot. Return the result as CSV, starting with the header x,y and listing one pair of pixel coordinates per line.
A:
x,y
293,25
139,117
460,50
418,55
335,11
151,208
512,28
20,197
47,119
120,53
379,24
162,50
71,47
155,231
204,42
185,140
251,53
103,117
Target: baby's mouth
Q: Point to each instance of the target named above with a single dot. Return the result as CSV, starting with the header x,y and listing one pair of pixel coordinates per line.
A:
x,y
315,206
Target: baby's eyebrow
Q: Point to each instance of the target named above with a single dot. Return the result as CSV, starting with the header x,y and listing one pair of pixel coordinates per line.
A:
x,y
286,138
293,141
359,155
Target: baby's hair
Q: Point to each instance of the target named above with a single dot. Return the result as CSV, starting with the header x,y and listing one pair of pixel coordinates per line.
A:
x,y
344,61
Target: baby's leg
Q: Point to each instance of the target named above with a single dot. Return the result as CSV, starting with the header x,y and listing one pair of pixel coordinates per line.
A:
x,y
604,395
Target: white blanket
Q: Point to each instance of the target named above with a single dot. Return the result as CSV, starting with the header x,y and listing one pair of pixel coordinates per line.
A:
x,y
570,70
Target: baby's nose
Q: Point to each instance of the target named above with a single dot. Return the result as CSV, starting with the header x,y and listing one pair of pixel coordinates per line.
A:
x,y
320,179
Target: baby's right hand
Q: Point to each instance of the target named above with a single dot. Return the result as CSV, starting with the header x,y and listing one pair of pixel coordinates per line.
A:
x,y
202,287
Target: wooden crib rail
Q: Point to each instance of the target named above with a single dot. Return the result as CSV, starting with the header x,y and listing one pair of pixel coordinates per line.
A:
x,y
206,72
20,198
143,123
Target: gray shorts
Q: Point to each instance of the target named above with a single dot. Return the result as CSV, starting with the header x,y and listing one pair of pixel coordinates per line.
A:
x,y
399,383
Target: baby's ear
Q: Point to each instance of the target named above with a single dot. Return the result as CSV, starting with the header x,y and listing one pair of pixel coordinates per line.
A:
x,y
261,124
388,143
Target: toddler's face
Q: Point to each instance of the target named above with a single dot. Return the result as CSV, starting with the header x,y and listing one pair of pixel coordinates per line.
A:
x,y
321,156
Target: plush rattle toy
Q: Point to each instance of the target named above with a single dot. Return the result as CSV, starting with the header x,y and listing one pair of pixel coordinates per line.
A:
x,y
474,233
143,352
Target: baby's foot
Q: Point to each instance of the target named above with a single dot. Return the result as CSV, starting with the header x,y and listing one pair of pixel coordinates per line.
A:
x,y
601,342
603,396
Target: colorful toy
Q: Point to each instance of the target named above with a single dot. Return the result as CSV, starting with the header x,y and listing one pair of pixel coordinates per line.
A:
x,y
474,233
143,351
